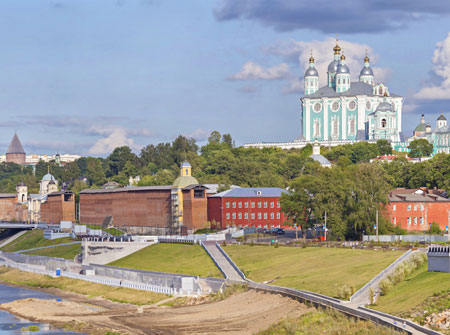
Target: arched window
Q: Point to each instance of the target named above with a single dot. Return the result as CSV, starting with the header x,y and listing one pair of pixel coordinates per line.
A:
x,y
383,123
339,81
316,128
23,197
352,126
380,91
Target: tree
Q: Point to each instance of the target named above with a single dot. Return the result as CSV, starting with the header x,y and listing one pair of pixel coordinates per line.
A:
x,y
94,171
384,147
435,229
71,172
227,140
214,138
117,159
420,148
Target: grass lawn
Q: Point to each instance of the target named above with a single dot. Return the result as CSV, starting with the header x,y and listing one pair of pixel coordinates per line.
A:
x,y
64,251
173,258
119,294
326,322
33,239
112,231
413,291
321,270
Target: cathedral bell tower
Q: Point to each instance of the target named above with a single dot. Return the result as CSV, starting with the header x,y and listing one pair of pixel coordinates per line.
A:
x,y
311,77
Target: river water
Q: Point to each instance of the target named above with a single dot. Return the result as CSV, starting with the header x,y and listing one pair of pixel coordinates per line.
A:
x,y
11,324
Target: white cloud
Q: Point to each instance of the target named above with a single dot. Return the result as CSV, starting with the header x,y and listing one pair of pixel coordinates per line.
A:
x,y
441,68
253,71
323,55
410,106
198,134
114,136
295,86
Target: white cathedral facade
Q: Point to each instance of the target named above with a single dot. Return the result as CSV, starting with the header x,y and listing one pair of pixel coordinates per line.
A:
x,y
344,111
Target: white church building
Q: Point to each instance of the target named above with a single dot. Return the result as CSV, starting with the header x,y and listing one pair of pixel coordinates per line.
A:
x,y
344,111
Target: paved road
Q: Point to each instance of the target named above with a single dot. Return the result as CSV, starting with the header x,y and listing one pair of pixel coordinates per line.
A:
x,y
224,264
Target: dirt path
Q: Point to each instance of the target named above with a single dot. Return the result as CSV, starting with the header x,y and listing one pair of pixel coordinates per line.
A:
x,y
243,313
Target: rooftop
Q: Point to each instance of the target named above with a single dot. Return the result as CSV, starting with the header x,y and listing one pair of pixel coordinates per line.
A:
x,y
415,195
15,147
356,88
246,192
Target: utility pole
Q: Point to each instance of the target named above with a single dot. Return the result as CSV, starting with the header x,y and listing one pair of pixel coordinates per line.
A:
x,y
325,230
378,240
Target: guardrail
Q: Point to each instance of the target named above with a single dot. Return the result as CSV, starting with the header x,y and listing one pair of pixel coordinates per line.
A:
x,y
214,260
360,313
231,262
381,274
407,322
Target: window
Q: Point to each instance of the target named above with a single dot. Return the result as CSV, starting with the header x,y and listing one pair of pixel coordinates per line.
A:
x,y
233,216
227,205
316,128
272,216
335,106
394,207
278,215
259,216
394,220
408,208
246,204
421,207
240,204
368,105
352,105
259,204
228,216
245,215
265,204
383,123
421,221
317,107
278,204
253,216
408,220
415,220
380,90
272,204
335,127
415,207
265,216
253,204
234,204
199,194
239,215
352,126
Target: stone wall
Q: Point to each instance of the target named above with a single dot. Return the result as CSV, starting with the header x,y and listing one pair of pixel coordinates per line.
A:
x,y
59,207
107,252
11,210
438,259
128,209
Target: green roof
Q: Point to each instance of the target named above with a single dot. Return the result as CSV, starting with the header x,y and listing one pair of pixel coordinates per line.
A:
x,y
421,127
182,182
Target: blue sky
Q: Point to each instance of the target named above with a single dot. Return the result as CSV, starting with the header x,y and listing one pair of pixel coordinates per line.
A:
x,y
83,76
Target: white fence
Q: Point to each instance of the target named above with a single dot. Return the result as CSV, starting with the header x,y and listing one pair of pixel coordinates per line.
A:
x,y
106,281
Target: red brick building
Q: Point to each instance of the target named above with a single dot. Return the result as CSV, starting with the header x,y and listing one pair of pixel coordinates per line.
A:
x,y
145,210
59,206
247,207
11,209
416,209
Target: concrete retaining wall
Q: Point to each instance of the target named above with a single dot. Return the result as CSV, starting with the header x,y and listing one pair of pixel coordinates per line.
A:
x,y
407,238
106,252
438,259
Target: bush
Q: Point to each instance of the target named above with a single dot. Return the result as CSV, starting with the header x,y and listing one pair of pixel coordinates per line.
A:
x,y
385,285
345,292
435,229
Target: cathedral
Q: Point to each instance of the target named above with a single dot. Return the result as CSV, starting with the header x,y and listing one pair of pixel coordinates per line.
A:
x,y
345,111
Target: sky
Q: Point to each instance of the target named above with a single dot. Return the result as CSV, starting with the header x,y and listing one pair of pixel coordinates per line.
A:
x,y
83,76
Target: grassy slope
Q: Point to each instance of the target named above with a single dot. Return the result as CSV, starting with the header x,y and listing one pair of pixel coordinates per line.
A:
x,y
118,294
320,270
64,251
33,239
413,291
326,322
173,258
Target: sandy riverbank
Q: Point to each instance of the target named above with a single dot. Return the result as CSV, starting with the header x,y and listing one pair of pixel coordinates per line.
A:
x,y
243,313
